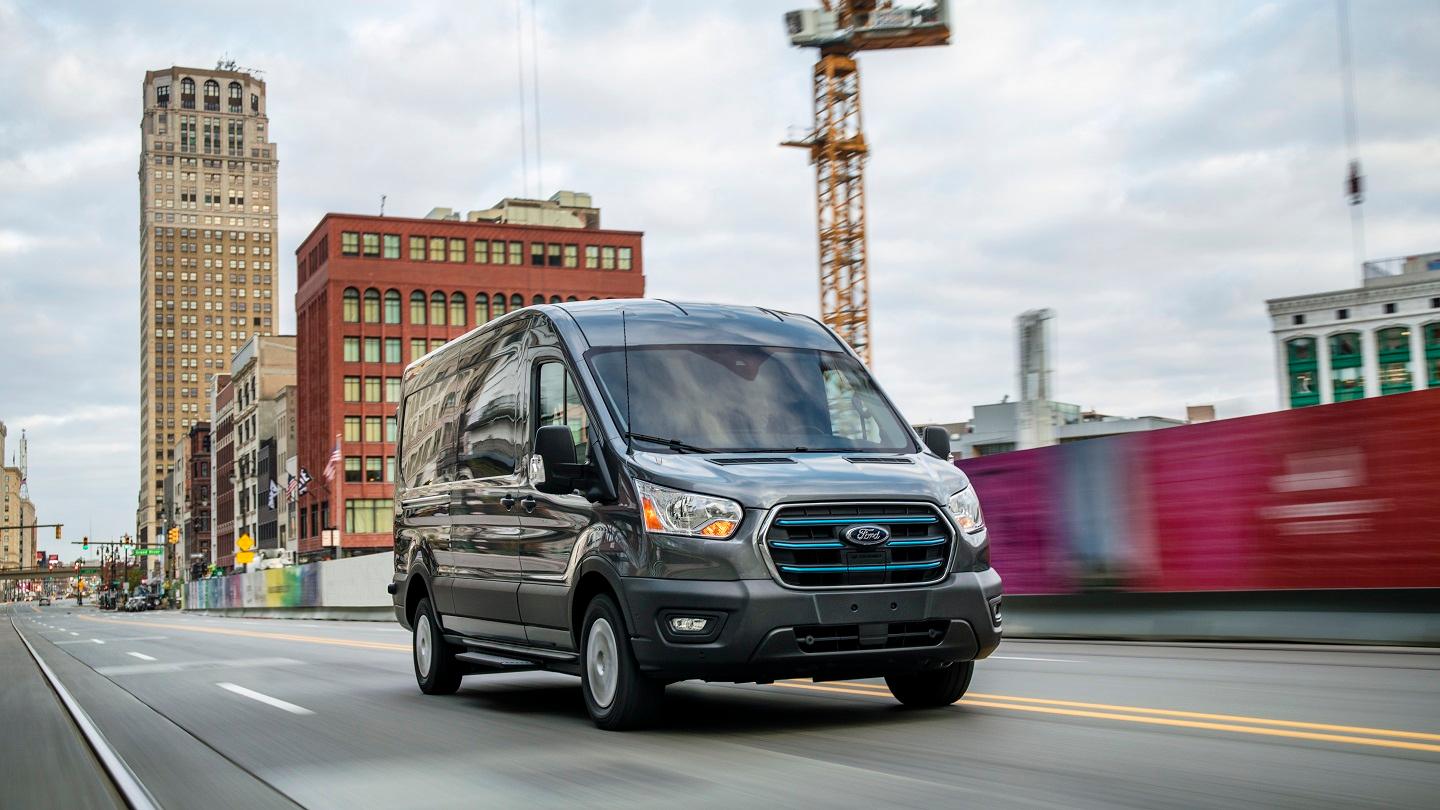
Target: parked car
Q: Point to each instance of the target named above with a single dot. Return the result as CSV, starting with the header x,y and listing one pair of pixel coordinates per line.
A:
x,y
44,601
639,492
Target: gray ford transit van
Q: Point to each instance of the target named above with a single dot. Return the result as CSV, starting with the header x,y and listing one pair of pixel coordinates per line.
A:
x,y
642,492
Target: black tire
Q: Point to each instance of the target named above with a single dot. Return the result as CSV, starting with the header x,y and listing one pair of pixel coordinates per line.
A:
x,y
443,677
634,700
932,688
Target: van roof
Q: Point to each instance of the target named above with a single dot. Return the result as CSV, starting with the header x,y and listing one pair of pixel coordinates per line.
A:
x,y
651,321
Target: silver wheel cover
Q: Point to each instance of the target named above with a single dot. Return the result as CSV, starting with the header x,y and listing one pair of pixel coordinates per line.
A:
x,y
602,665
424,646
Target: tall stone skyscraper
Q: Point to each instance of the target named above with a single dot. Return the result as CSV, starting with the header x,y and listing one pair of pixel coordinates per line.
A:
x,y
209,256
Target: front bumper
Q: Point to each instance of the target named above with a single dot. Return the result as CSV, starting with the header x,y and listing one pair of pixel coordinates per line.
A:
x,y
843,633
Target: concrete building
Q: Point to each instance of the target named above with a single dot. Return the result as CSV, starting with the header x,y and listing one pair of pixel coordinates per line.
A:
x,y
375,293
208,269
194,506
1382,337
287,469
997,427
222,473
260,370
17,545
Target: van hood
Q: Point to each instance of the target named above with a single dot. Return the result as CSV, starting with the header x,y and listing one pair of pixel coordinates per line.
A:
x,y
762,480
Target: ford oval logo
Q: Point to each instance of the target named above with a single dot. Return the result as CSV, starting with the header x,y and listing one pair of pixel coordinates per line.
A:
x,y
867,535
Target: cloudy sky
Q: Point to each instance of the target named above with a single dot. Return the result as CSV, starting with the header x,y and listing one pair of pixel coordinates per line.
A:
x,y
1153,171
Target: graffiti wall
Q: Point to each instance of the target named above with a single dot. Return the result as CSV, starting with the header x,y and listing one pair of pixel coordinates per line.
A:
x,y
352,582
1334,496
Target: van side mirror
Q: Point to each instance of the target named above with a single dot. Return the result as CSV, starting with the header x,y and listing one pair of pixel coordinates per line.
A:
x,y
556,449
937,439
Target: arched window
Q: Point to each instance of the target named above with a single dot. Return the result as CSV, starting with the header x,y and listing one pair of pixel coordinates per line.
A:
x,y
372,305
555,299
497,305
212,95
350,305
571,298
538,299
1347,378
1300,360
457,309
417,308
1392,348
187,86
392,306
517,301
482,308
437,309
236,97
592,298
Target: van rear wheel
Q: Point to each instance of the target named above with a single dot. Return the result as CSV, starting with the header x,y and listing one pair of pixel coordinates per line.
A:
x,y
436,669
617,695
931,688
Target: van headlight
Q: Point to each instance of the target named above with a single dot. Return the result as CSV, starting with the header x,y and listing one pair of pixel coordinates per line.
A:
x,y
672,511
964,506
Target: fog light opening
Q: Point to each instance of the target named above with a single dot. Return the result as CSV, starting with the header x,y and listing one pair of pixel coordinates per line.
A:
x,y
689,624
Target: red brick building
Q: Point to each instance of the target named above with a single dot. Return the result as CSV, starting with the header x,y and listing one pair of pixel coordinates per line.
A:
x,y
375,293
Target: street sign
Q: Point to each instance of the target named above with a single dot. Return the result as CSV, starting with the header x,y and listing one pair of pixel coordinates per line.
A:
x,y
147,551
245,542
245,558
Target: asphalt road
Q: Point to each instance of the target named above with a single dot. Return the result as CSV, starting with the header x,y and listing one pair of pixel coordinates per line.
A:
x,y
250,713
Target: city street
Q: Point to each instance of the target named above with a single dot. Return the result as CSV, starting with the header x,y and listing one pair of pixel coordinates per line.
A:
x,y
264,713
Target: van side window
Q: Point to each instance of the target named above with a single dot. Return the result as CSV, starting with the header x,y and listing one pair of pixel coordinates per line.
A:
x,y
431,414
493,428
559,403
851,413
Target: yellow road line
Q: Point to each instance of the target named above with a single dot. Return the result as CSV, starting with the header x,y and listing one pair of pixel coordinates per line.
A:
x,y
1154,721
1227,718
226,631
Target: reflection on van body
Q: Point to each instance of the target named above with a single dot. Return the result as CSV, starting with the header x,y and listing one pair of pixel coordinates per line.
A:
x,y
639,492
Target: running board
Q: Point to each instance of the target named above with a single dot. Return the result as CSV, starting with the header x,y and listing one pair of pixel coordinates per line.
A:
x,y
495,662
516,650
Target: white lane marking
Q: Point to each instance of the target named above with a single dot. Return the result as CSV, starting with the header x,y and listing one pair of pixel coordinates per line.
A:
x,y
183,666
1024,658
141,656
266,699
97,641
73,633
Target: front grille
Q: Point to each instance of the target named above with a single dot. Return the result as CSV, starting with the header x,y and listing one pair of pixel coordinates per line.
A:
x,y
823,638
808,547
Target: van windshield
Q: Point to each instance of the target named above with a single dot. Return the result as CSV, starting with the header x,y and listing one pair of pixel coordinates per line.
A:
x,y
748,399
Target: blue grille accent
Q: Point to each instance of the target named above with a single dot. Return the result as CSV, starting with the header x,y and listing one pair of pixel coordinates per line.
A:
x,y
926,541
841,569
826,544
849,520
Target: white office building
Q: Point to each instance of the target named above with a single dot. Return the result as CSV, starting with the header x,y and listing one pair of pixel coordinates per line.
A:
x,y
1380,338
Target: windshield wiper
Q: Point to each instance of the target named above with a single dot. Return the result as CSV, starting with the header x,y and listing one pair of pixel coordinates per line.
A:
x,y
673,444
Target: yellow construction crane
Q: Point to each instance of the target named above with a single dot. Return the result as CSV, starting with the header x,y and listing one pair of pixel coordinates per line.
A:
x,y
841,28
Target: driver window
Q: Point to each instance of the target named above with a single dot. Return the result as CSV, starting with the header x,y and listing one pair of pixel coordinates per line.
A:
x,y
559,403
850,414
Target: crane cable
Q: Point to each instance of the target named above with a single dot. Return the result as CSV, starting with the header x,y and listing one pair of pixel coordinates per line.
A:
x,y
1355,181
520,92
535,91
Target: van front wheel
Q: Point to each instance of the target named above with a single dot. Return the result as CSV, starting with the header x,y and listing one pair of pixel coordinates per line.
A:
x,y
617,694
931,688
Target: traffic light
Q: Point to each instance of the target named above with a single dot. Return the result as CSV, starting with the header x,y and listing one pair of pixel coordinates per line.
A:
x,y
174,535
85,544
57,530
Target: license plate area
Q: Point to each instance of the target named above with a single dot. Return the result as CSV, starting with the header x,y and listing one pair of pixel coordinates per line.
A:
x,y
845,608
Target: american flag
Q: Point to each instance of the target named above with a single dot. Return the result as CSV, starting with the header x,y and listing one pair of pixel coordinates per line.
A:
x,y
333,465
291,487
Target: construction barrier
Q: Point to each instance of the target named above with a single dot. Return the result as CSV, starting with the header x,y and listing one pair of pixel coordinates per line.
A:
x,y
1338,496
